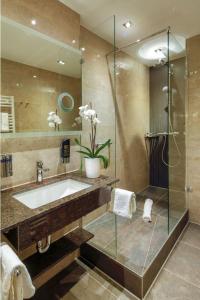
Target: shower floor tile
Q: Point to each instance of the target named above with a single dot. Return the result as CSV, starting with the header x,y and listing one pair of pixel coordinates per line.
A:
x,y
134,243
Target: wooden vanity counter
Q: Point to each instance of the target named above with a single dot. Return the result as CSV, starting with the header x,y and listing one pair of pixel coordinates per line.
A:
x,y
24,226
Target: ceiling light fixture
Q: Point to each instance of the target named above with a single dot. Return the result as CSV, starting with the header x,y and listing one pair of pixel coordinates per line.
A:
x,y
61,62
73,41
34,76
33,22
83,49
127,24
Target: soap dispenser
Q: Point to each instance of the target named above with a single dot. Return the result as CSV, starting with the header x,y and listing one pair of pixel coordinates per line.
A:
x,y
65,151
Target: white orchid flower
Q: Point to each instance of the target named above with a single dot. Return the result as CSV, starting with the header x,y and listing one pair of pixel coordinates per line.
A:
x,y
96,121
82,109
90,113
51,124
78,120
51,113
59,121
49,118
53,119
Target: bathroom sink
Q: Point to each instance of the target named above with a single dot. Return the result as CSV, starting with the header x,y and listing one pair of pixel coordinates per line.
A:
x,y
49,193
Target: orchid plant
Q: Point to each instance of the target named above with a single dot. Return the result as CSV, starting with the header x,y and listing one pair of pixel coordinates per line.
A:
x,y
87,113
54,120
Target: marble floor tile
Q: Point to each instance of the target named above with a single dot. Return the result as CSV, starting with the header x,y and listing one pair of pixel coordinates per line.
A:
x,y
170,287
192,235
185,263
78,282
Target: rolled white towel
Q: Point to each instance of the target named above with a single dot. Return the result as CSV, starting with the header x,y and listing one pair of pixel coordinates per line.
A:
x,y
147,210
124,203
14,287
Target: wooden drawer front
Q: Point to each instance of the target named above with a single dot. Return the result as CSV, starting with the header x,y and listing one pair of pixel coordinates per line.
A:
x,y
33,231
73,211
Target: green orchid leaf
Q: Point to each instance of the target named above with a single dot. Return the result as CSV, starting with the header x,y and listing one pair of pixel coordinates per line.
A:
x,y
104,160
88,154
102,147
86,148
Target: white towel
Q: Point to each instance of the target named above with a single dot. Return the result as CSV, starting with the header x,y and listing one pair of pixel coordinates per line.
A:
x,y
147,210
4,122
124,203
14,287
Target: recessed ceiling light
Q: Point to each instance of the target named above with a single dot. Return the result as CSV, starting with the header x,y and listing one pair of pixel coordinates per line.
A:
x,y
61,62
83,49
34,76
73,41
33,22
127,24
138,41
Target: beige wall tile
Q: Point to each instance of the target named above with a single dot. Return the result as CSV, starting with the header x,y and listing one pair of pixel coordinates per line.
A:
x,y
24,165
193,127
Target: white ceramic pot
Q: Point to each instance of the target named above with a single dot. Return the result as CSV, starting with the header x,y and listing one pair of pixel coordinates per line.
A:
x,y
92,167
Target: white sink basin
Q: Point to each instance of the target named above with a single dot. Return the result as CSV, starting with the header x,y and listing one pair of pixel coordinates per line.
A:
x,y
49,193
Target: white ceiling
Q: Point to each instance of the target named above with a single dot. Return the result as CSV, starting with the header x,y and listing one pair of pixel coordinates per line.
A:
x,y
148,16
27,46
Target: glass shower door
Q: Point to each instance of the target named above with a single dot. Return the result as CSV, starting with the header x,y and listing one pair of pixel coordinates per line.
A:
x,y
177,129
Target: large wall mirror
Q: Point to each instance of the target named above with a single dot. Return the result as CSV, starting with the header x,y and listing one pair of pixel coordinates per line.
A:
x,y
40,82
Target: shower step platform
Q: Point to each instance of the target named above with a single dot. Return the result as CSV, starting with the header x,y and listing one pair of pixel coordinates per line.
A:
x,y
59,255
137,284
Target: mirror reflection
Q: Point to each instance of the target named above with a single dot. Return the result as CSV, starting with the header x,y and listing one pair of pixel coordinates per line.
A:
x,y
41,81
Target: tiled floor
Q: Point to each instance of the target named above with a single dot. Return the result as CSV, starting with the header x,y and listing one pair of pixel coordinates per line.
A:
x,y
179,279
134,243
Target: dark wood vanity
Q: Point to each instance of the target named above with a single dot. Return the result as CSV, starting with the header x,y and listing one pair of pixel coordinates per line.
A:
x,y
24,227
33,230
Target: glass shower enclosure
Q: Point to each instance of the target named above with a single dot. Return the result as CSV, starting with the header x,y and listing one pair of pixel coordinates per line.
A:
x,y
147,80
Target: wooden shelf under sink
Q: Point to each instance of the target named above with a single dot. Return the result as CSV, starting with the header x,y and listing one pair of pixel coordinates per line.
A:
x,y
44,266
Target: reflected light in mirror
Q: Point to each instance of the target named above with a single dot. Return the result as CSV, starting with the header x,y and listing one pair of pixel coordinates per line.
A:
x,y
33,22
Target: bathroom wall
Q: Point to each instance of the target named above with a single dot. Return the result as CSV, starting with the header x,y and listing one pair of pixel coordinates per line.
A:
x,y
97,90
159,122
132,111
158,99
193,127
26,151
36,97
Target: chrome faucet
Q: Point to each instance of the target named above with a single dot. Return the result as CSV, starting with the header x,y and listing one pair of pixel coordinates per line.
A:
x,y
40,170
